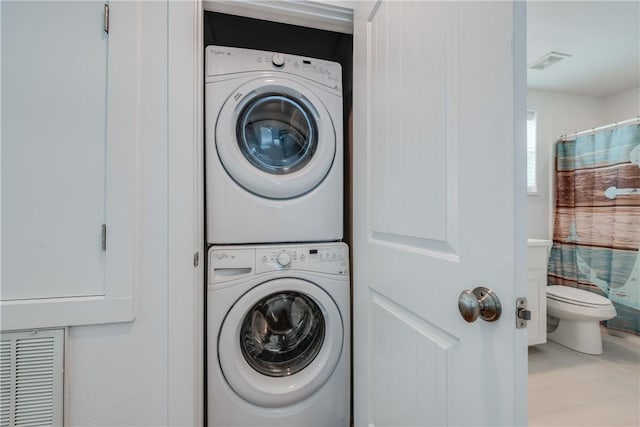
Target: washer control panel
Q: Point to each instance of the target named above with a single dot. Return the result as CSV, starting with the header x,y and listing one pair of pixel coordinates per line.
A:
x,y
321,258
227,60
234,262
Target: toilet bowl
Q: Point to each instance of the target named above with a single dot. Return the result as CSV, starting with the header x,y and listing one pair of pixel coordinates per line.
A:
x,y
578,314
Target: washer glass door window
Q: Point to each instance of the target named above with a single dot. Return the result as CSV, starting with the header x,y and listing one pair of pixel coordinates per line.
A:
x,y
280,342
277,134
282,334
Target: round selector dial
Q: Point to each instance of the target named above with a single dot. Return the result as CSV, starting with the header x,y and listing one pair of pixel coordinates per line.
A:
x,y
283,259
277,60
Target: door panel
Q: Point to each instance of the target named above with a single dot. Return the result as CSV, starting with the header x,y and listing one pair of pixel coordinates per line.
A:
x,y
54,98
404,339
396,81
436,212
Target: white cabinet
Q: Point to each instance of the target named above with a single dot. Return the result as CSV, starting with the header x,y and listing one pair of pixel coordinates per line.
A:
x,y
69,112
537,258
54,99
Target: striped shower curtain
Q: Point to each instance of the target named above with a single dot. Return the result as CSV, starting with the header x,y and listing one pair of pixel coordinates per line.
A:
x,y
597,220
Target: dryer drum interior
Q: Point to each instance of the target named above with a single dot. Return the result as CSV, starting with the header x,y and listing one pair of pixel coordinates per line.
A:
x,y
282,334
277,133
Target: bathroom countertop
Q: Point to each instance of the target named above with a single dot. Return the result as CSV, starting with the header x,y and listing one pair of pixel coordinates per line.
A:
x,y
539,242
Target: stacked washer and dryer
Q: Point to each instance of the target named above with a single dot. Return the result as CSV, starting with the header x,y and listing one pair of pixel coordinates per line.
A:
x,y
278,300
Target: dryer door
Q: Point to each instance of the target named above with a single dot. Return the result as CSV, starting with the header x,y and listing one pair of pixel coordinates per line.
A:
x,y
280,342
275,138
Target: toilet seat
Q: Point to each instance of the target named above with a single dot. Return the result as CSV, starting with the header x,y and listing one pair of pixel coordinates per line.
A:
x,y
575,296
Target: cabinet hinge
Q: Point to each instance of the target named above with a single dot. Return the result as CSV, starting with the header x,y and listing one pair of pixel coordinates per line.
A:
x,y
103,241
105,23
196,259
523,315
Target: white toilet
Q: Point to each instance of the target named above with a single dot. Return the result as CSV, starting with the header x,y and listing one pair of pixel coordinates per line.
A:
x,y
577,314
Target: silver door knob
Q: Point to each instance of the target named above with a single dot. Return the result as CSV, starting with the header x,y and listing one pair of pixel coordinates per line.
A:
x,y
481,302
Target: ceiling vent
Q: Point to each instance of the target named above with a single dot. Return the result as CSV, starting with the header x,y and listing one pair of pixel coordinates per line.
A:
x,y
548,60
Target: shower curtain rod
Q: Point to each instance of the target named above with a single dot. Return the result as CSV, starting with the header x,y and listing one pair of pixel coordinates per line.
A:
x,y
572,136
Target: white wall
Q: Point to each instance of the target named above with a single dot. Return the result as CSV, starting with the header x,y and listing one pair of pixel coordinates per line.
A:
x,y
557,114
118,373
622,106
150,371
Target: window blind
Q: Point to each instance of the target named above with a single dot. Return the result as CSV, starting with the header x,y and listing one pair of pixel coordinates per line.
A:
x,y
531,152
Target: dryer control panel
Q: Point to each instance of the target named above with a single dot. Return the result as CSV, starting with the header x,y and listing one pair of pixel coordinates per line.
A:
x,y
222,60
233,262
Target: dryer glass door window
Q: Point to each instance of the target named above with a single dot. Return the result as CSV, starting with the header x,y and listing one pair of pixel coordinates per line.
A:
x,y
282,334
277,134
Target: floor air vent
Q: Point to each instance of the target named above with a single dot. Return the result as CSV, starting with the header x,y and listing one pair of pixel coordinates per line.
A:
x,y
31,369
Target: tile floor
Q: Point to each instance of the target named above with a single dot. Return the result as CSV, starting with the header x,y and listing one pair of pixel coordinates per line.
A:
x,y
567,388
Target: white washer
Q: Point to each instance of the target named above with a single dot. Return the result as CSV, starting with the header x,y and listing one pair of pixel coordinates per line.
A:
x,y
278,336
274,159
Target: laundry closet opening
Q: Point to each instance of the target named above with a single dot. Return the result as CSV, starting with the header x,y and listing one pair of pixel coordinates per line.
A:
x,y
254,147
237,31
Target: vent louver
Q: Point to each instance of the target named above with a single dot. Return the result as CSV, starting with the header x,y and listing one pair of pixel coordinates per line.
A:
x,y
31,370
5,382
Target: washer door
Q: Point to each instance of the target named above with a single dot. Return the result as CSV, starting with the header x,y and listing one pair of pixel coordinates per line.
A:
x,y
275,138
280,342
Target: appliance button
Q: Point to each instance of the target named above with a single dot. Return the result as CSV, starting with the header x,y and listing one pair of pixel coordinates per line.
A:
x,y
277,60
284,259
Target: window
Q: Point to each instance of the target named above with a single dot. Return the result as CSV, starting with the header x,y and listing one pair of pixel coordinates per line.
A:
x,y
531,152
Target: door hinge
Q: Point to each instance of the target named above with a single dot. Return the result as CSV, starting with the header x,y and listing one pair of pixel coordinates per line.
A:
x,y
523,315
196,259
105,23
103,241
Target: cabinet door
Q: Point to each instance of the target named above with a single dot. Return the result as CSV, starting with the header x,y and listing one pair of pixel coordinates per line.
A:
x,y
60,88
537,297
537,306
54,98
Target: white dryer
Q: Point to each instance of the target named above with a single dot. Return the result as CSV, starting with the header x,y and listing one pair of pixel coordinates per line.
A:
x,y
274,147
278,336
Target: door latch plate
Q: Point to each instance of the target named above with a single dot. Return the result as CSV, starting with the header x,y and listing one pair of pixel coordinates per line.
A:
x,y
522,313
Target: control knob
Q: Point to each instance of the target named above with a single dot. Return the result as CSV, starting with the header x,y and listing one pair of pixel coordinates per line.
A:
x,y
277,60
284,259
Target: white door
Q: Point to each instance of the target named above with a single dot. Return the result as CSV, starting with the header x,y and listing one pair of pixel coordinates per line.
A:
x,y
439,193
70,142
54,95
